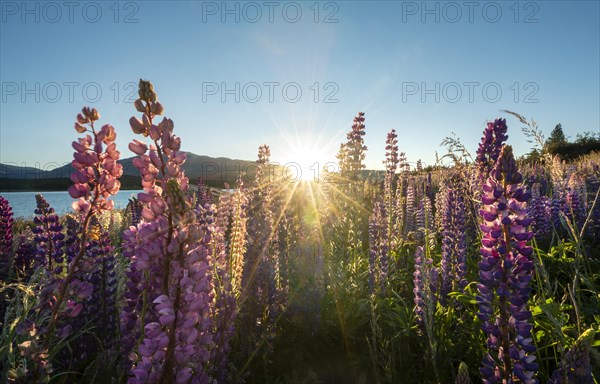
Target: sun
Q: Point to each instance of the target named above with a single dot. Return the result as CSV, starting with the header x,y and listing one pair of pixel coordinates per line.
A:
x,y
305,162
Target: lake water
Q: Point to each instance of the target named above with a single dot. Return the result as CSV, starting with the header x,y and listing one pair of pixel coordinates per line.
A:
x,y
23,203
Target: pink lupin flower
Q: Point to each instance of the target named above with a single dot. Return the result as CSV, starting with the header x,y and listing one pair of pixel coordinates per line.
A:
x,y
95,179
138,147
95,161
170,272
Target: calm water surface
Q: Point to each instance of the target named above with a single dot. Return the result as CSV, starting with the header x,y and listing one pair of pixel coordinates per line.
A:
x,y
23,203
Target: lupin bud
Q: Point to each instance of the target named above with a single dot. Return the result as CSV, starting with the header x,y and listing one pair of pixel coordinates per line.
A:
x,y
82,119
139,106
506,167
166,125
146,91
87,112
107,134
137,126
463,374
576,366
156,108
95,115
146,121
90,113
79,128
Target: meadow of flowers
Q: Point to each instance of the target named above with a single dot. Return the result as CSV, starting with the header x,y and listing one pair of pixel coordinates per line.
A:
x,y
484,271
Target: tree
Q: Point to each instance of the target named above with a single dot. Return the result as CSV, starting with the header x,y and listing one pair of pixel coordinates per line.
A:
x,y
587,138
557,136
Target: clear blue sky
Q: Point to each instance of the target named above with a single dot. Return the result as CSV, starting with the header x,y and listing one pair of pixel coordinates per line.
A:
x,y
385,58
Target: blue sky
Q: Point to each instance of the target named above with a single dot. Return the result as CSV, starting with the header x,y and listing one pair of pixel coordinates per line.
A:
x,y
425,69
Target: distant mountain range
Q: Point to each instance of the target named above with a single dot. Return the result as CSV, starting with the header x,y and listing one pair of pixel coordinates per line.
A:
x,y
214,170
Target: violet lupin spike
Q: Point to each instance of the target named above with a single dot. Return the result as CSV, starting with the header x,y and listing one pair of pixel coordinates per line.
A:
x,y
576,367
409,211
539,210
378,252
454,248
463,374
6,238
391,179
237,240
24,260
225,304
489,149
204,195
166,322
425,289
48,237
505,272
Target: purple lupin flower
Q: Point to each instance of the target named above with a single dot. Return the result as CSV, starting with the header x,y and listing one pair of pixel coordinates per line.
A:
x,y
372,260
539,211
134,209
391,179
237,238
399,213
204,195
558,206
460,230
6,249
454,248
409,211
141,245
24,260
429,187
593,186
505,272
103,277
6,238
378,249
71,243
424,222
289,235
225,304
463,374
425,290
261,273
166,321
93,287
48,237
576,367
61,295
489,149
356,147
261,262
440,206
576,210
229,261
419,281
96,170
